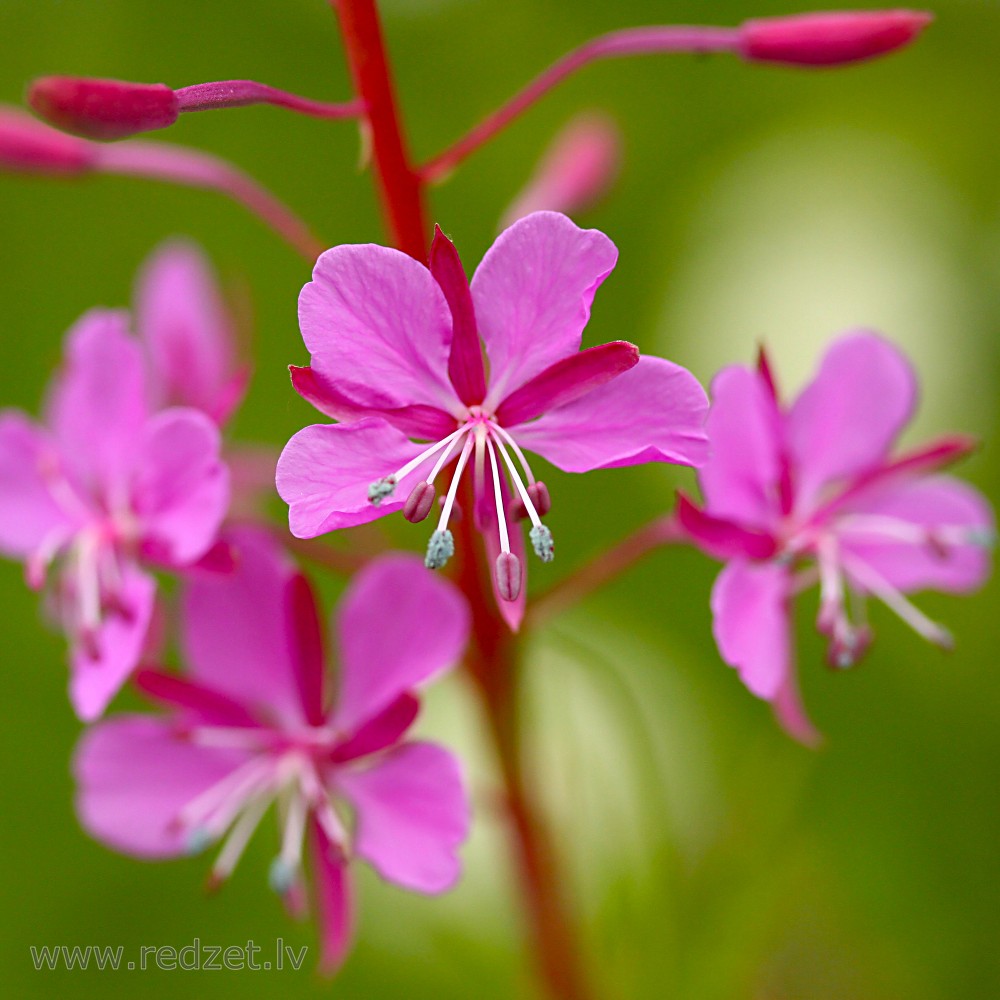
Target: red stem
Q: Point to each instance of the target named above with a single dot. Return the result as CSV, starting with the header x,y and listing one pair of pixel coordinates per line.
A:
x,y
492,658
400,189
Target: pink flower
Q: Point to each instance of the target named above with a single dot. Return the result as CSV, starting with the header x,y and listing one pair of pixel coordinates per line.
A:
x,y
255,721
107,485
809,492
396,356
188,333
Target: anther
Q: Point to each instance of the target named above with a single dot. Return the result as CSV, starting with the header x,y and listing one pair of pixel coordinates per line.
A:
x,y
508,576
440,549
419,502
541,541
281,876
381,489
538,494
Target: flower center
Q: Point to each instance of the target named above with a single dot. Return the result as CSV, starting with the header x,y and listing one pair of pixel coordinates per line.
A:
x,y
284,771
479,437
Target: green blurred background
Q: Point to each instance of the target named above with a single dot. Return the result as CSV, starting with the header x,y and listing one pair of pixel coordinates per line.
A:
x,y
711,857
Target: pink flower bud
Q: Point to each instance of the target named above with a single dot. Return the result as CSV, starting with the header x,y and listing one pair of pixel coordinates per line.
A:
x,y
830,39
28,146
102,109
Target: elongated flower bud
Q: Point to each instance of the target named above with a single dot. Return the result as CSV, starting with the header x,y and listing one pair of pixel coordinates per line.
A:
x,y
102,109
830,39
28,146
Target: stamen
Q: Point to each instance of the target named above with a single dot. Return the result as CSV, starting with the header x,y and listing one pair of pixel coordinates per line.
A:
x,y
285,866
541,540
893,599
385,487
440,549
498,497
517,451
239,837
508,576
381,489
419,502
441,546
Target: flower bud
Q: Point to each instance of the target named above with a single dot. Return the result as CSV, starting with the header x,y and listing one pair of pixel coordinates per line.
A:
x,y
830,39
28,146
102,109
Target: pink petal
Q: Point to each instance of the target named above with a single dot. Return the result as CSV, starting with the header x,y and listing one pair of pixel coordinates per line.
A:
x,y
134,775
846,420
412,815
937,504
98,404
384,655
568,380
740,479
652,413
533,292
378,328
334,900
234,629
305,638
181,488
416,420
465,362
187,331
119,642
380,732
325,470
791,713
28,513
720,538
207,705
751,624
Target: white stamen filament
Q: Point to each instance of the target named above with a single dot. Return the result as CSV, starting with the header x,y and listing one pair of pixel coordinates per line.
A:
x,y
87,581
239,836
517,451
449,501
426,454
883,528
876,584
519,486
446,455
233,786
498,496
295,828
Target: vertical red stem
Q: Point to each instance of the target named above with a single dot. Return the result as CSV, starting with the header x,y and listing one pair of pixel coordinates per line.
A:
x,y
492,659
401,191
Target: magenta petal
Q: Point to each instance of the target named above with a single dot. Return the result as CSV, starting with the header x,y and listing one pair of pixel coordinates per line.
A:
x,y
119,643
846,420
533,292
720,538
412,815
751,624
384,655
417,420
234,629
98,404
134,776
305,638
28,513
465,362
181,489
942,506
334,900
739,480
380,732
378,328
567,380
188,334
652,413
791,713
209,706
325,470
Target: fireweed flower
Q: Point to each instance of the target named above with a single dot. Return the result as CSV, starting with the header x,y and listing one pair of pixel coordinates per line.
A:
x,y
396,358
810,492
254,722
188,333
104,487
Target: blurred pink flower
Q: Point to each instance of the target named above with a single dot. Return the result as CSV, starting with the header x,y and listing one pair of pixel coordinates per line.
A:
x,y
810,492
106,485
255,721
396,356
